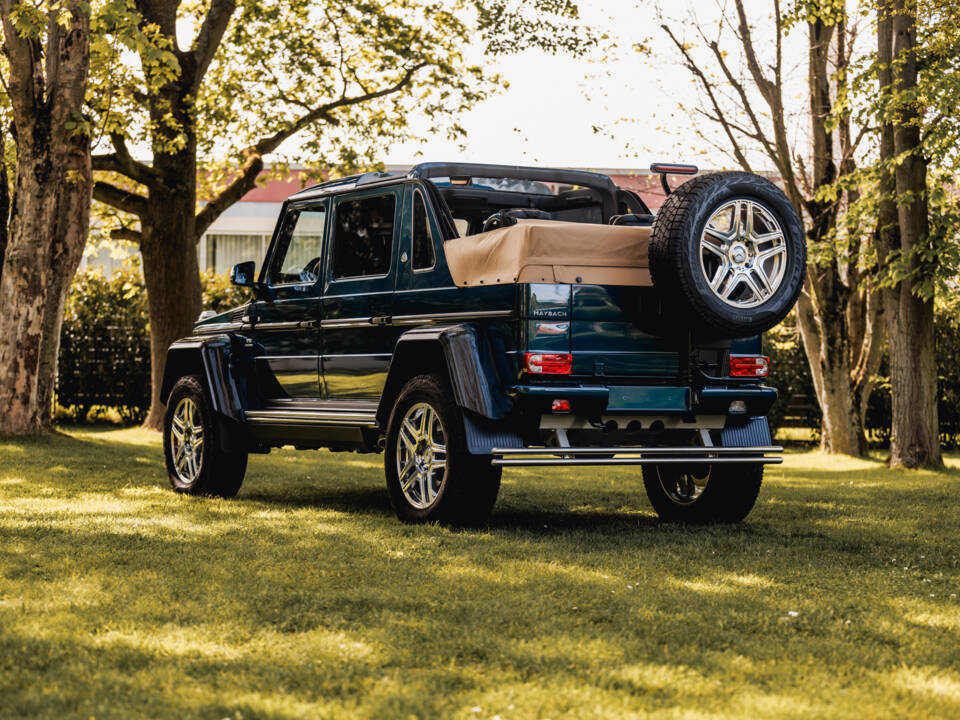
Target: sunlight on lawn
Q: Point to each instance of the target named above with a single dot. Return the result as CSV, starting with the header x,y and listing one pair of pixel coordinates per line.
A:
x,y
305,598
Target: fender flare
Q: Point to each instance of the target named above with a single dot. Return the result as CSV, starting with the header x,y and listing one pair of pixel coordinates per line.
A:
x,y
473,361
208,357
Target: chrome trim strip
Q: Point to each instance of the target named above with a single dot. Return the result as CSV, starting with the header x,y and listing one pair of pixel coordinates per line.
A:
x,y
218,328
424,319
443,317
292,417
290,325
533,457
346,323
628,450
542,462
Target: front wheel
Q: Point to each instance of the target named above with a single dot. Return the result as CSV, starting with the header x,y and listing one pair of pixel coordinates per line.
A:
x,y
703,493
196,464
431,477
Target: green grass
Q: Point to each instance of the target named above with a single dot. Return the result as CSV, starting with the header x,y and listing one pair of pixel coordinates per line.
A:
x,y
304,597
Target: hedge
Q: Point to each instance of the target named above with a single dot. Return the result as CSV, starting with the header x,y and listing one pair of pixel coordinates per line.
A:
x,y
790,374
104,365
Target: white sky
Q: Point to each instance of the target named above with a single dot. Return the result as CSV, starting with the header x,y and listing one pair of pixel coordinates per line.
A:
x,y
547,115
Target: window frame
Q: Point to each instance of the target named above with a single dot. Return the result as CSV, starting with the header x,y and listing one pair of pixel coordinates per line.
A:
x,y
298,208
417,192
331,255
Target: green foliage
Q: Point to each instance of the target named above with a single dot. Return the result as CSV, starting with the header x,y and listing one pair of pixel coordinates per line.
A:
x,y
104,347
790,374
104,364
219,294
305,598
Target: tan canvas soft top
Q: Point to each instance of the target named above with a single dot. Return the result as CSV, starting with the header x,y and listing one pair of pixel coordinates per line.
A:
x,y
551,251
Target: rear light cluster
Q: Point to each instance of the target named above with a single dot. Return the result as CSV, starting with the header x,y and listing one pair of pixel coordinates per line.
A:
x,y
548,363
749,366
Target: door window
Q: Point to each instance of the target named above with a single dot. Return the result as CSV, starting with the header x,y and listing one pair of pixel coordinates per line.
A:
x,y
296,260
424,257
363,236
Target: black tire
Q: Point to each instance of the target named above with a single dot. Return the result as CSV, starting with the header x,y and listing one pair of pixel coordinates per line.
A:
x,y
218,473
727,496
680,273
468,484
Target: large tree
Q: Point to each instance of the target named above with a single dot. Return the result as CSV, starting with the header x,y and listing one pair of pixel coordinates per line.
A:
x,y
916,112
47,51
839,311
345,78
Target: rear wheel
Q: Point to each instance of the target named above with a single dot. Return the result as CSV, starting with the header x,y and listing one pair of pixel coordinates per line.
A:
x,y
196,464
430,475
703,493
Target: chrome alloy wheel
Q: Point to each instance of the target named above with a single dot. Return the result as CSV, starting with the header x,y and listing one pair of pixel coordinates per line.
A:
x,y
683,487
421,455
186,441
743,253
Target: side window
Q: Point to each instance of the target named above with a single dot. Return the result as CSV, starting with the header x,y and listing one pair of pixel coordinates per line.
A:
x,y
363,236
297,257
424,257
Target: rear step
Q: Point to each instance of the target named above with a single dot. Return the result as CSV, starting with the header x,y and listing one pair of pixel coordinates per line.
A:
x,y
637,455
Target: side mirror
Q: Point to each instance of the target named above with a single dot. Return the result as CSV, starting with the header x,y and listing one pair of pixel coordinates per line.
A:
x,y
242,274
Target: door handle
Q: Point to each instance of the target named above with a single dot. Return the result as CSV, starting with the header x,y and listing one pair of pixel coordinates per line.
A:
x,y
381,320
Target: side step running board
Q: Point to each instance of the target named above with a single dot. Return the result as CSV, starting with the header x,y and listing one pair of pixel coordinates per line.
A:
x,y
306,417
763,455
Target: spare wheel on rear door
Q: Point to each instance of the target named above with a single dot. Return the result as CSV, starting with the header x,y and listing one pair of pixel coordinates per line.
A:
x,y
728,251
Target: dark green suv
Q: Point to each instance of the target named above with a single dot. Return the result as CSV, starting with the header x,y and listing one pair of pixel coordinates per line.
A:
x,y
460,318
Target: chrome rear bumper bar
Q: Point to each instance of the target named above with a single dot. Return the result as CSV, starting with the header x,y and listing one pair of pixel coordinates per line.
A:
x,y
531,457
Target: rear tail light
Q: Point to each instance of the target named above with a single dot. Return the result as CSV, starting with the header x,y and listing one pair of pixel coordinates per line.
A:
x,y
749,366
548,363
560,405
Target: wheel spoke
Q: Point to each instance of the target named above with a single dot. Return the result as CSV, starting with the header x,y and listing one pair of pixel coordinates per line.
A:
x,y
732,281
713,248
748,230
178,423
422,483
767,237
759,274
411,429
765,255
718,276
407,441
723,237
406,476
752,284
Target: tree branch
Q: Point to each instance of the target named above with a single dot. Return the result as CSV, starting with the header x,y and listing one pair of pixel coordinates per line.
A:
x,y
253,165
122,162
209,37
120,199
126,234
240,186
773,94
709,89
25,56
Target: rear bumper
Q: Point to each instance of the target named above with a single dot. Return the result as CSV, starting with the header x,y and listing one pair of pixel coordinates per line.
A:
x,y
592,399
759,455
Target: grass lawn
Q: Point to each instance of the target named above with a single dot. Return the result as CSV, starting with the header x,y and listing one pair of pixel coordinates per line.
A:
x,y
305,598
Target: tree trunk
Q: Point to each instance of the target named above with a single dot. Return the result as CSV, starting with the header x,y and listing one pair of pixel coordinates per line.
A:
x,y
51,204
72,225
910,319
827,348
172,278
4,197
